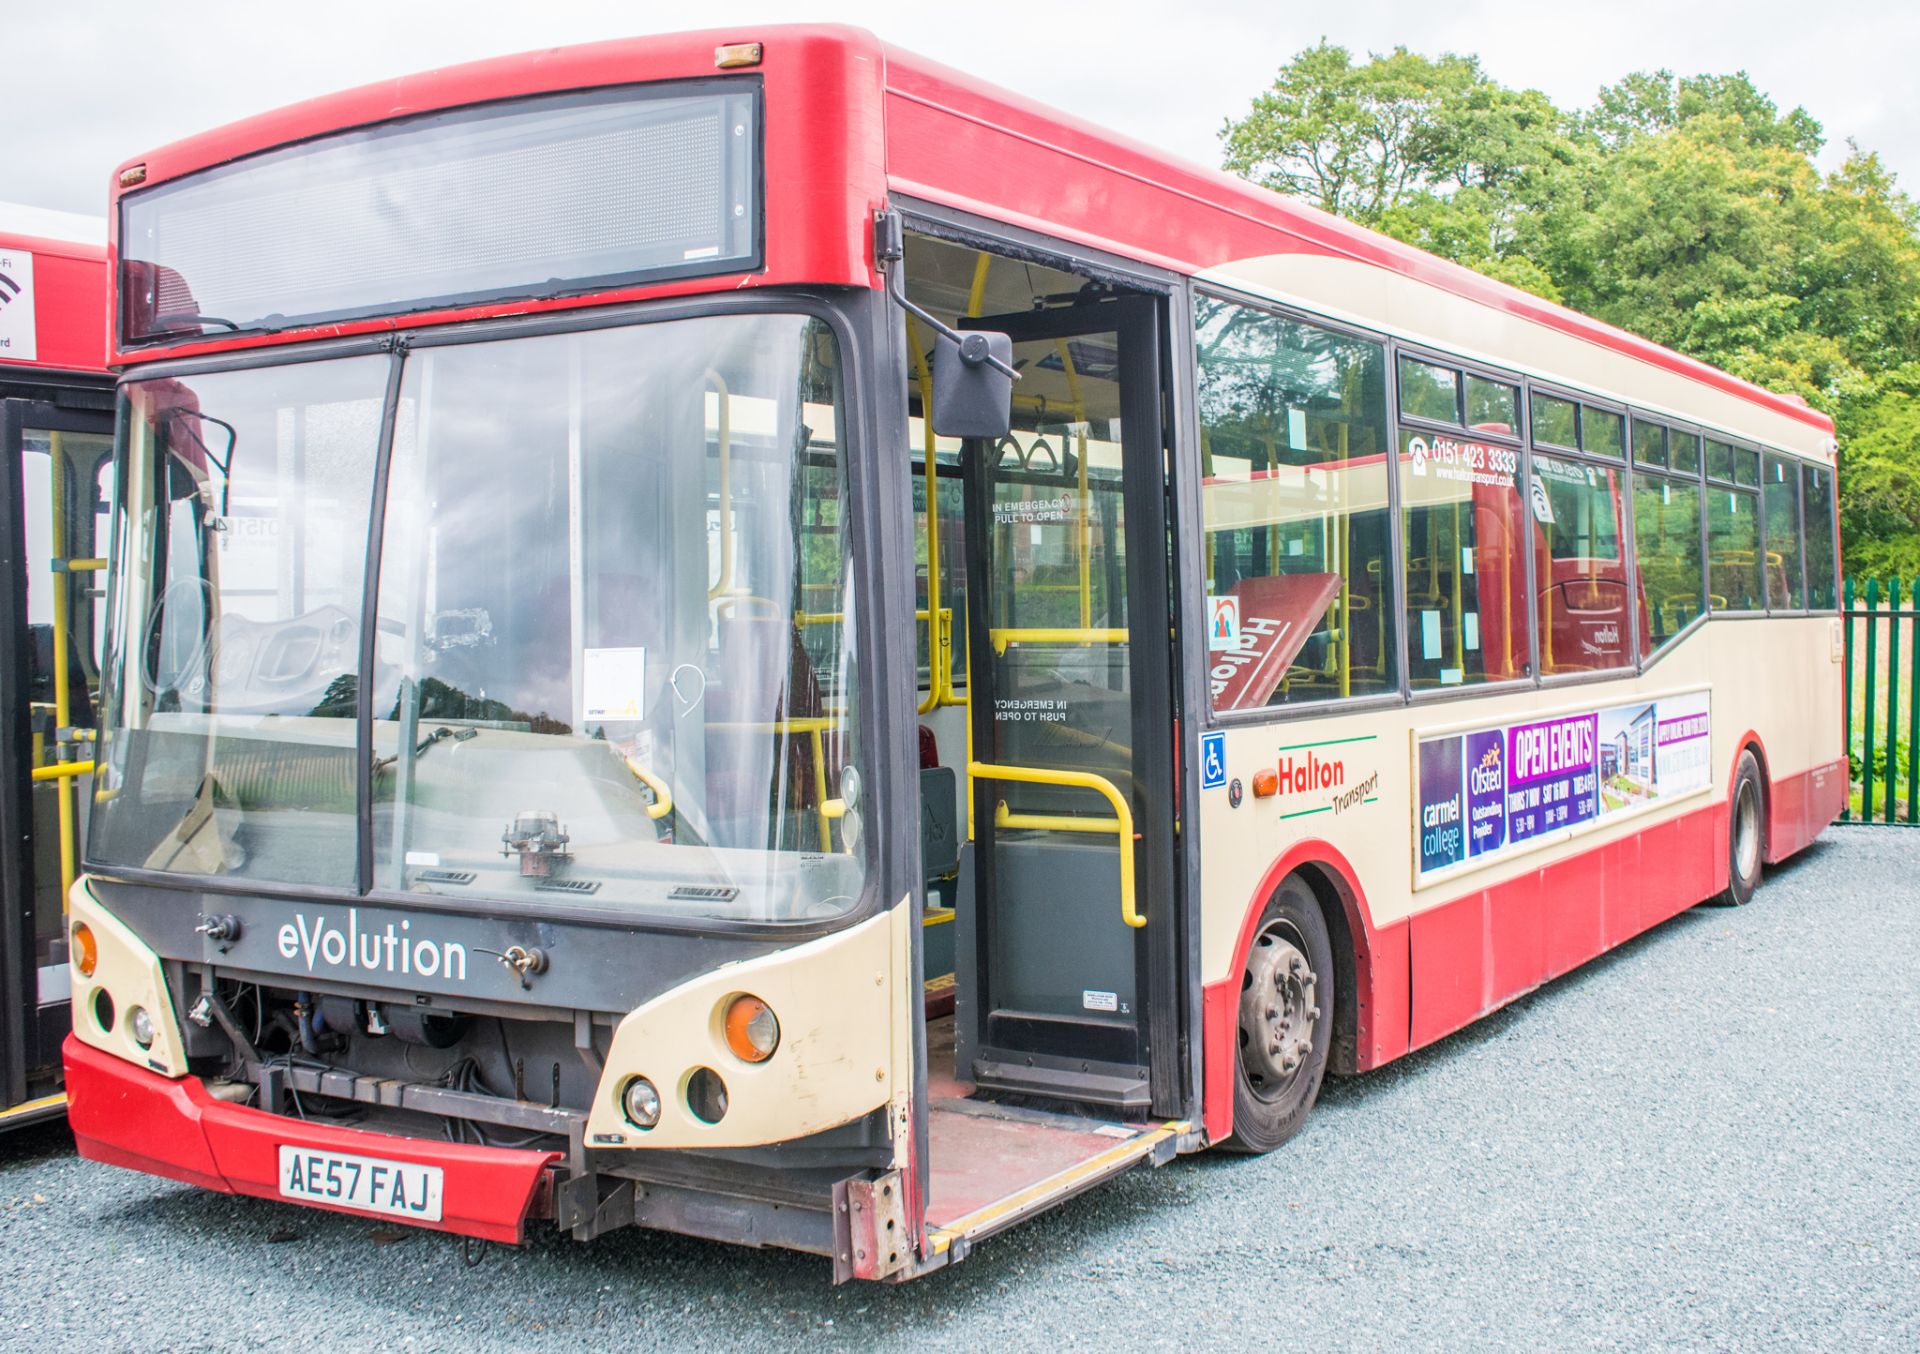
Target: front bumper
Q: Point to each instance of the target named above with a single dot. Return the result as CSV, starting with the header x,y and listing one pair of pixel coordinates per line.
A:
x,y
127,1116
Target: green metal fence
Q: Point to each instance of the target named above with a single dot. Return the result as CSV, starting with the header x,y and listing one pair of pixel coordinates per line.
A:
x,y
1882,662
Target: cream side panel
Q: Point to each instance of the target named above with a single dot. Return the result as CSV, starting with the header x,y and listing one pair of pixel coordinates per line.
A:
x,y
130,974
1776,677
846,1044
1378,299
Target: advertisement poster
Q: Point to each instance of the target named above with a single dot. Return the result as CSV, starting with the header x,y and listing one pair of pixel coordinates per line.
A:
x,y
1491,790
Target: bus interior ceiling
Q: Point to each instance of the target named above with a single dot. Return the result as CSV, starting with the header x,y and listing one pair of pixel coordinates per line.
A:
x,y
994,1155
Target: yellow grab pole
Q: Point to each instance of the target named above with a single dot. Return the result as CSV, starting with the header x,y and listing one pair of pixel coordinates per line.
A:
x,y
937,682
62,770
62,707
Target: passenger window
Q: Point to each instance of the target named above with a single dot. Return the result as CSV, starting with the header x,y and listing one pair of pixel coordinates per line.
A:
x,y
1733,549
1818,516
1602,432
1683,453
1579,569
1649,444
1719,461
1294,501
1465,575
1666,538
1492,406
1746,468
1429,392
1785,588
1555,421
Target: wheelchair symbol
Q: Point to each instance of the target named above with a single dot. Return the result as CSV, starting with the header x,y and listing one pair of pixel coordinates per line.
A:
x,y
1213,761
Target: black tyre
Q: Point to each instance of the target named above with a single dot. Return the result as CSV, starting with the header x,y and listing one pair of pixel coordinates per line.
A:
x,y
1285,1021
1746,834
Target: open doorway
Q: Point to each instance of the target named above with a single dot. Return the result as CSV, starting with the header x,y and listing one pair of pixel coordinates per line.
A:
x,y
1045,735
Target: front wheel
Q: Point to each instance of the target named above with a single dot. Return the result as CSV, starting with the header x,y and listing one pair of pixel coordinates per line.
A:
x,y
1746,835
1286,1021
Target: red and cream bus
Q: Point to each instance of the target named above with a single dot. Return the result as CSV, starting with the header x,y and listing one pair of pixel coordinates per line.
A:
x,y
622,710
56,455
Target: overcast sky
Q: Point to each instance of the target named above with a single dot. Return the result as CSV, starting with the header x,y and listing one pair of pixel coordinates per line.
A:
x,y
89,84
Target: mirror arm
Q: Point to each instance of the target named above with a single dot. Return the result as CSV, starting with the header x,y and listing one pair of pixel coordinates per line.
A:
x,y
890,249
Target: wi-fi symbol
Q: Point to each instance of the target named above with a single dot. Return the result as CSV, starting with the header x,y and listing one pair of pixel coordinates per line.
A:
x,y
8,289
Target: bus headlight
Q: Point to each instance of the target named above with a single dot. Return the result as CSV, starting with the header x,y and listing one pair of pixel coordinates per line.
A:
x,y
753,1032
641,1102
141,1024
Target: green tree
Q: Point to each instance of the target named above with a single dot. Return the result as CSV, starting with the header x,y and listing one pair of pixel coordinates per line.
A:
x,y
1685,209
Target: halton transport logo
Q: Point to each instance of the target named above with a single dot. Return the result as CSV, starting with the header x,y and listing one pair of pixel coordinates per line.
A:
x,y
1326,778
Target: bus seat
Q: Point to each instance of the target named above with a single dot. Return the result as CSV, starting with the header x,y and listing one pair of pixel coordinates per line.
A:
x,y
939,822
929,749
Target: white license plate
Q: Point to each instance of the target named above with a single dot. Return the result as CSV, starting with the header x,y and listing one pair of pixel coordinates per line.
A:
x,y
397,1187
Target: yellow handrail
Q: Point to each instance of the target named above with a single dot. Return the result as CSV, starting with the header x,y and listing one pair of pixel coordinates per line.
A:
x,y
1052,822
662,797
1053,635
62,770
1121,825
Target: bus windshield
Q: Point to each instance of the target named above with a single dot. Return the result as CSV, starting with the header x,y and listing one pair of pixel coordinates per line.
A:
x,y
608,661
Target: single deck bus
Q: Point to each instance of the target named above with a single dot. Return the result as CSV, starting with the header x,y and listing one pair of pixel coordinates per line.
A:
x,y
56,461
622,710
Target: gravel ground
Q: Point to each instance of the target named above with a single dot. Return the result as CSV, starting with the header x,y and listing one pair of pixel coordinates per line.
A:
x,y
1706,1139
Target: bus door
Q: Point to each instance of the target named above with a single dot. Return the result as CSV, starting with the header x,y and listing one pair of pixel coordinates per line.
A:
x,y
55,466
1065,954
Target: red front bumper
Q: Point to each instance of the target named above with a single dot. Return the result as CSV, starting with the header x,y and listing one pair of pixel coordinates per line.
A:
x,y
127,1116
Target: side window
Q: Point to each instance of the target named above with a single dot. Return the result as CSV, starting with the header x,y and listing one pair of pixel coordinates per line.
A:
x,y
1463,529
1493,406
1294,505
1428,391
1602,433
1463,526
1579,569
1734,577
1666,540
1556,422
1785,588
1683,453
1817,510
1649,444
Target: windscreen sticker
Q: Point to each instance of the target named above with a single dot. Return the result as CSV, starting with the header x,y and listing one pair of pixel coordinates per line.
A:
x,y
1491,790
613,684
17,334
1223,622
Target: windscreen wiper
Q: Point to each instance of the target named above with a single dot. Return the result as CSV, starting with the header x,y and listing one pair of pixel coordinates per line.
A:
x,y
439,735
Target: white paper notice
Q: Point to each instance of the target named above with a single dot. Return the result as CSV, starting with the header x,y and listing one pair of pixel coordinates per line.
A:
x,y
613,684
17,341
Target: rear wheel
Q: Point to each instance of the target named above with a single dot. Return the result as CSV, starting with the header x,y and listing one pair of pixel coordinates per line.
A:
x,y
1286,1021
1746,834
